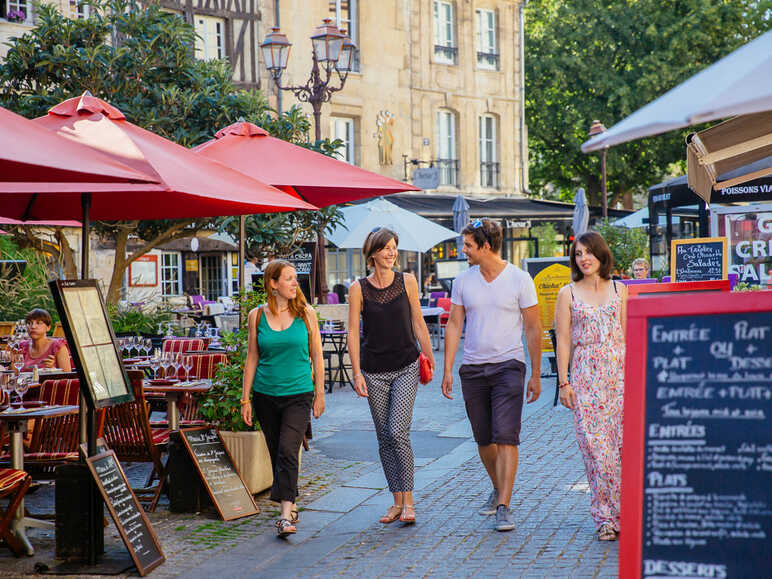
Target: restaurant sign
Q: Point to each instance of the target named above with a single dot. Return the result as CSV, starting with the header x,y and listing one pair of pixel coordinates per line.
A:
x,y
749,230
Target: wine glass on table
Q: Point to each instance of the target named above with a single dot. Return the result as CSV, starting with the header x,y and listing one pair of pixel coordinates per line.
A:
x,y
176,364
187,364
165,361
155,363
17,361
147,345
22,385
5,389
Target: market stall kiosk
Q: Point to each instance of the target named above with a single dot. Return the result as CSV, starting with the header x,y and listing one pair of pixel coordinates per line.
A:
x,y
696,459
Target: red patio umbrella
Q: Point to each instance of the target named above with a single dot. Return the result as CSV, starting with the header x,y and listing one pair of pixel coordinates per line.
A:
x,y
31,154
317,178
64,223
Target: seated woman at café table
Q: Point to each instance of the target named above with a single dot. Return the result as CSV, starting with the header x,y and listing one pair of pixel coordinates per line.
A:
x,y
40,350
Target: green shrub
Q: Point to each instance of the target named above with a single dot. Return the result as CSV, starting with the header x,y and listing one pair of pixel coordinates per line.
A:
x,y
133,320
626,244
21,294
222,404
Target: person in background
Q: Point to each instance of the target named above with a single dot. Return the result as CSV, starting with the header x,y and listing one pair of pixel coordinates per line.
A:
x,y
386,368
640,268
277,373
250,267
498,301
590,322
41,351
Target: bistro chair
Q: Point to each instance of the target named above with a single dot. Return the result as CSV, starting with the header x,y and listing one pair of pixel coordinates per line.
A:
x,y
179,345
434,298
127,431
13,485
204,368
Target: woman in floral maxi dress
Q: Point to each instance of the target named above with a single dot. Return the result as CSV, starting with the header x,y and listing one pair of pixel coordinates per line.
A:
x,y
590,328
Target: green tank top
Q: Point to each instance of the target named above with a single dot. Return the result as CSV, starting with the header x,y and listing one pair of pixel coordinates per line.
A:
x,y
283,366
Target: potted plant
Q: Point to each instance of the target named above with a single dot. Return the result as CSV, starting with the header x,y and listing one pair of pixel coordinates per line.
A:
x,y
16,16
222,406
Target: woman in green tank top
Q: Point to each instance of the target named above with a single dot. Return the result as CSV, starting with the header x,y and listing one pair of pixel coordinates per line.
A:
x,y
279,387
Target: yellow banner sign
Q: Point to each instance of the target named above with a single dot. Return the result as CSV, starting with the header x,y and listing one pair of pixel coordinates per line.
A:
x,y
548,283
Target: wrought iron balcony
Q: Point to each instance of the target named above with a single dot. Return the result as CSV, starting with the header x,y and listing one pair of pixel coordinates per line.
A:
x,y
446,53
448,171
488,59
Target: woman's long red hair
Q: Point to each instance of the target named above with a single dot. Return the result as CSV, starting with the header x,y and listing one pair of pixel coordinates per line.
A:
x,y
297,305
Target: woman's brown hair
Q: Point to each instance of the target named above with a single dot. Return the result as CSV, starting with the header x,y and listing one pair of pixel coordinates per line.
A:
x,y
597,246
297,305
40,315
375,241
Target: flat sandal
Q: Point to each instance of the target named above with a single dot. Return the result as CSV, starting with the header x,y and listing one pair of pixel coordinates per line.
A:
x,y
408,514
392,514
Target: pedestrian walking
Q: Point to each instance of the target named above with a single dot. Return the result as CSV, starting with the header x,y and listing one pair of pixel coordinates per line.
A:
x,y
590,321
385,362
498,301
282,337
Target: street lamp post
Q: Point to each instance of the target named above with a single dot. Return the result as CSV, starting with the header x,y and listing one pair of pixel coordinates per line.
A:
x,y
596,129
332,50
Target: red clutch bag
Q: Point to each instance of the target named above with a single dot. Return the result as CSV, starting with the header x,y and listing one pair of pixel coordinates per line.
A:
x,y
424,369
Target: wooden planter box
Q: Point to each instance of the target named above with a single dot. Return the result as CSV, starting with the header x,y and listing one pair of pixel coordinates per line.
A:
x,y
250,454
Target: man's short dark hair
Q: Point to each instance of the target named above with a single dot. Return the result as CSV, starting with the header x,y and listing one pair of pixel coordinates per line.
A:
x,y
597,246
485,231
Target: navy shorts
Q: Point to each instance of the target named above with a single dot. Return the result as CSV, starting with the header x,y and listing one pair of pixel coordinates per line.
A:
x,y
493,395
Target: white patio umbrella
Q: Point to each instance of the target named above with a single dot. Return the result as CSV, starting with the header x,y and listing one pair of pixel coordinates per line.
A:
x,y
738,84
460,220
415,232
581,217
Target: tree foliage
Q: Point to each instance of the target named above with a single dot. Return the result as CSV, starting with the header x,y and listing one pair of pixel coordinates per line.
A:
x,y
594,59
626,244
141,60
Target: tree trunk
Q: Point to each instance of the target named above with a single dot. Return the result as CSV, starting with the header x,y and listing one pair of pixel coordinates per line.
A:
x,y
120,263
66,256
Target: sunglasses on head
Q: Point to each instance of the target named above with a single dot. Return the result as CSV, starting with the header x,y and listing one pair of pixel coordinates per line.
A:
x,y
478,224
375,230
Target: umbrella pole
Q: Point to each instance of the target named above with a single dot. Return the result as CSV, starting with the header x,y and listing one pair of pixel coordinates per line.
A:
x,y
420,274
242,258
85,232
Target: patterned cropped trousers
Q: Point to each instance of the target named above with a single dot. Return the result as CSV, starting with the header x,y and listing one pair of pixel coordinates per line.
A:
x,y
391,396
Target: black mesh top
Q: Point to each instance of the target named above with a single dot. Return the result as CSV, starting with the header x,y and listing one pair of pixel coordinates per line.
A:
x,y
388,341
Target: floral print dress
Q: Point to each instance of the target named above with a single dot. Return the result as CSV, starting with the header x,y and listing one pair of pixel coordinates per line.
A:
x,y
597,378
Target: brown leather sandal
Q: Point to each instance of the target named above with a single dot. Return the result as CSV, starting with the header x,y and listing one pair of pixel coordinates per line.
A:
x,y
607,533
408,514
392,514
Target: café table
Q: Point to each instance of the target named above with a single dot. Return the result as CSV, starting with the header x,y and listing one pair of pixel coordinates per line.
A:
x,y
17,424
432,316
172,392
338,339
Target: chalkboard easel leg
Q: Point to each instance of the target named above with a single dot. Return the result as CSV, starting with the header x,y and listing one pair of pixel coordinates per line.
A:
x,y
96,542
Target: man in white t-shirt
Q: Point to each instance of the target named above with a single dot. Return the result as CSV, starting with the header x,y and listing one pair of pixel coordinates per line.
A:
x,y
499,302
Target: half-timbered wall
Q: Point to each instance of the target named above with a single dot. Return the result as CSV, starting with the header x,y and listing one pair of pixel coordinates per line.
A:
x,y
240,19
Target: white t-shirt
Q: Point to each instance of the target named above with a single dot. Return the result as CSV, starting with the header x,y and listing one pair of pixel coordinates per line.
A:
x,y
494,323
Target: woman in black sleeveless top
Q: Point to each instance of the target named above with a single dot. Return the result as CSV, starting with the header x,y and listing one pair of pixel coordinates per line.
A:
x,y
386,367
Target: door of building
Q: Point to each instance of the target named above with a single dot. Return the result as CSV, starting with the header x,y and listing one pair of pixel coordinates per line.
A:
x,y
213,277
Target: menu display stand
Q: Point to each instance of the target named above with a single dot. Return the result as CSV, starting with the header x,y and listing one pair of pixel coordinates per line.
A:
x,y
698,259
695,461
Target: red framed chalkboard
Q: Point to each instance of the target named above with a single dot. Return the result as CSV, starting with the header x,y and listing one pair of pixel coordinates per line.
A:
x,y
719,285
698,405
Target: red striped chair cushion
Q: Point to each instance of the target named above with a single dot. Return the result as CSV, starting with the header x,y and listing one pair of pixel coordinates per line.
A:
x,y
160,435
178,345
64,391
10,477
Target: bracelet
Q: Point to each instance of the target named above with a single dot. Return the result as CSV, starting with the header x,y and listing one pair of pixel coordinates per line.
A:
x,y
245,402
564,384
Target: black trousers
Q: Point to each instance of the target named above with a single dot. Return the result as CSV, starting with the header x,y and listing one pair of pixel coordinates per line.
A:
x,y
283,420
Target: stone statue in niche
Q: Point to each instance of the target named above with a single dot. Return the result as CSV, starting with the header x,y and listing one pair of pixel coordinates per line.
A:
x,y
384,121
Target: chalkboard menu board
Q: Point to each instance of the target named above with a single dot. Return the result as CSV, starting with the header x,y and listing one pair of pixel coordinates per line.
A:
x,y
127,513
699,259
707,445
218,473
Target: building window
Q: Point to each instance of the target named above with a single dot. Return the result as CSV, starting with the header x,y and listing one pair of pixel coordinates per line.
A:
x,y
487,47
79,9
234,277
346,16
13,8
210,37
343,128
447,158
445,49
171,278
213,283
489,154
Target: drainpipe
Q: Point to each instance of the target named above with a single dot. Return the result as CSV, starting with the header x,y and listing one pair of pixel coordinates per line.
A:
x,y
276,20
523,144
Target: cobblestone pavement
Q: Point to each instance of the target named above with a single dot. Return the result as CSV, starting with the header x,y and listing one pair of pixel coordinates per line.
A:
x,y
343,495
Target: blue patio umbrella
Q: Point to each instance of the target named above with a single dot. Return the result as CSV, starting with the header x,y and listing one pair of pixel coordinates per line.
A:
x,y
581,213
460,220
